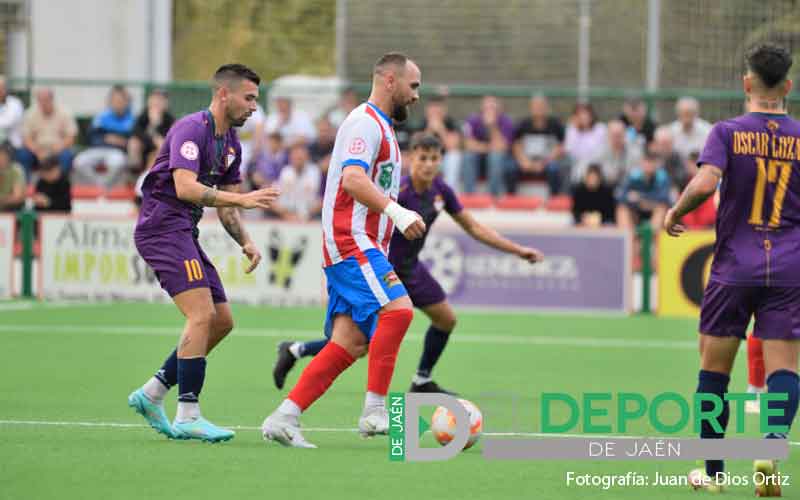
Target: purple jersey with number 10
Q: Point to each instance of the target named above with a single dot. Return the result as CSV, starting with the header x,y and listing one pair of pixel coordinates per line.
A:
x,y
758,221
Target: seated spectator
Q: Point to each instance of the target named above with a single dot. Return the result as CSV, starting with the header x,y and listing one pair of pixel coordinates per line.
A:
x,y
53,189
47,130
617,157
438,122
11,116
704,216
149,131
323,144
348,101
299,184
585,139
487,138
689,131
539,146
12,181
105,160
294,125
644,195
640,127
593,201
252,137
671,161
267,167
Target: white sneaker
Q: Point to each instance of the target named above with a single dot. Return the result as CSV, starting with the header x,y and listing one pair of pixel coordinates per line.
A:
x,y
285,429
374,421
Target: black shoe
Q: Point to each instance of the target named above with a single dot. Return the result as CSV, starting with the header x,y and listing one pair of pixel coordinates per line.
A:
x,y
283,364
430,387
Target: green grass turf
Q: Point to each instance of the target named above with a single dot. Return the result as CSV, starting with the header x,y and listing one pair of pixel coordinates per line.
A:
x,y
78,364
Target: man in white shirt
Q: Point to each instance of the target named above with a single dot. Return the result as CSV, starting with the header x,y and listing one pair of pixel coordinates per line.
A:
x,y
252,138
689,131
299,183
11,114
294,125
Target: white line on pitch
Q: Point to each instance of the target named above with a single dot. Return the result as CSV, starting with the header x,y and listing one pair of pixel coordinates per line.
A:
x,y
117,425
460,337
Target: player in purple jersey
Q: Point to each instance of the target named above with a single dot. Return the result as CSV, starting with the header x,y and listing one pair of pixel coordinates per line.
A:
x,y
426,193
756,266
197,166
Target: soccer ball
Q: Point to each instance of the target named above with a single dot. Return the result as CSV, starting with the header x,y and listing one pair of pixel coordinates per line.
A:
x,y
443,424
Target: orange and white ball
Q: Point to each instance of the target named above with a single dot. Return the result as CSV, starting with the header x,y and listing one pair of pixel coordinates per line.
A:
x,y
443,424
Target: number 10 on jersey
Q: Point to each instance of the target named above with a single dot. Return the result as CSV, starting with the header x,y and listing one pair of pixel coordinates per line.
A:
x,y
774,171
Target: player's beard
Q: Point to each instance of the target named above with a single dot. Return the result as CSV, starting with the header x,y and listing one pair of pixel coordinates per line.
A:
x,y
238,122
400,113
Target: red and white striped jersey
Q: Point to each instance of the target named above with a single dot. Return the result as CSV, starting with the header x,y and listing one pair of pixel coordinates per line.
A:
x,y
365,139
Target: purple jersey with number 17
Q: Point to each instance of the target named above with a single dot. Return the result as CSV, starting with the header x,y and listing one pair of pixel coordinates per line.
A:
x,y
758,221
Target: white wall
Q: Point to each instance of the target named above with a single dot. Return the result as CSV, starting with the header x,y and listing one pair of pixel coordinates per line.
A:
x,y
97,40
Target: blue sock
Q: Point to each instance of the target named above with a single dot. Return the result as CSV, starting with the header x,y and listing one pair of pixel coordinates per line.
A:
x,y
168,374
191,375
435,342
783,381
312,348
714,383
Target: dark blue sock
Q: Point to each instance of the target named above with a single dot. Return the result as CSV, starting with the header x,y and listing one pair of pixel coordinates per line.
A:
x,y
787,382
168,374
435,342
312,348
191,375
714,383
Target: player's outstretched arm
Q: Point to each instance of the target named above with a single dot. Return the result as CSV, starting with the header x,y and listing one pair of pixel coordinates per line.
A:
x,y
188,189
700,188
232,222
356,183
490,237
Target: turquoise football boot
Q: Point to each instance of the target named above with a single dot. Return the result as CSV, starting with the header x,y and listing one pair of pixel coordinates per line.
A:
x,y
201,429
152,412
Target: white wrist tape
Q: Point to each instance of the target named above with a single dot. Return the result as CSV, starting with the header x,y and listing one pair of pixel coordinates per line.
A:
x,y
401,217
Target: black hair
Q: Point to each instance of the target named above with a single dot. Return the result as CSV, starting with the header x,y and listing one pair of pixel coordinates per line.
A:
x,y
422,140
235,72
769,62
390,59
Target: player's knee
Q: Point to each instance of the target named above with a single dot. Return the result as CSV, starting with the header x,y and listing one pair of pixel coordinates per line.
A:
x,y
359,351
223,324
203,318
447,323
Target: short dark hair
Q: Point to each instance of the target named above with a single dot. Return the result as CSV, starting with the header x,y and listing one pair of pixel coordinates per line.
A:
x,y
769,62
235,73
422,140
390,59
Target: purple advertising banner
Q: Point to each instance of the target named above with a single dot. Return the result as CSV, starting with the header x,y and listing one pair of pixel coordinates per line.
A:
x,y
582,271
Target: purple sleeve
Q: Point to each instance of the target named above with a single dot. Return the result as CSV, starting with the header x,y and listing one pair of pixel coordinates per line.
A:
x,y
232,175
716,149
184,147
469,127
507,128
451,203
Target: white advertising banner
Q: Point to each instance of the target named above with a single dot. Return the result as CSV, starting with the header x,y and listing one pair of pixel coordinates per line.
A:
x,y
94,258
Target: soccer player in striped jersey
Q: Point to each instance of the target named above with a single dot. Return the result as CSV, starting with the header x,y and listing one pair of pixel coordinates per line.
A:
x,y
367,303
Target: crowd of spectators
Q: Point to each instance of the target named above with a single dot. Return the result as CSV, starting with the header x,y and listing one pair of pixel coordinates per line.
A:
x,y
622,172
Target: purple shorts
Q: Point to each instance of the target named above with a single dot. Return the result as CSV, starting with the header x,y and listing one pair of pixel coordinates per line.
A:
x,y
423,289
726,311
180,264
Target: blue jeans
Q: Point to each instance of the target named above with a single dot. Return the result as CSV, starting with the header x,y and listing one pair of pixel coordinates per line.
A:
x,y
497,169
29,160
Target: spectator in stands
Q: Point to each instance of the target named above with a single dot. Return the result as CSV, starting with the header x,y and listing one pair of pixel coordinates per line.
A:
x,y
253,138
11,115
704,216
293,124
323,144
644,195
671,161
585,139
12,180
689,131
299,183
593,202
618,157
487,138
149,131
105,160
53,190
348,101
438,122
267,167
47,130
539,146
640,127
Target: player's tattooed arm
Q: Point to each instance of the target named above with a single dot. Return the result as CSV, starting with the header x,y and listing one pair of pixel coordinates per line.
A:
x,y
700,188
231,219
209,197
